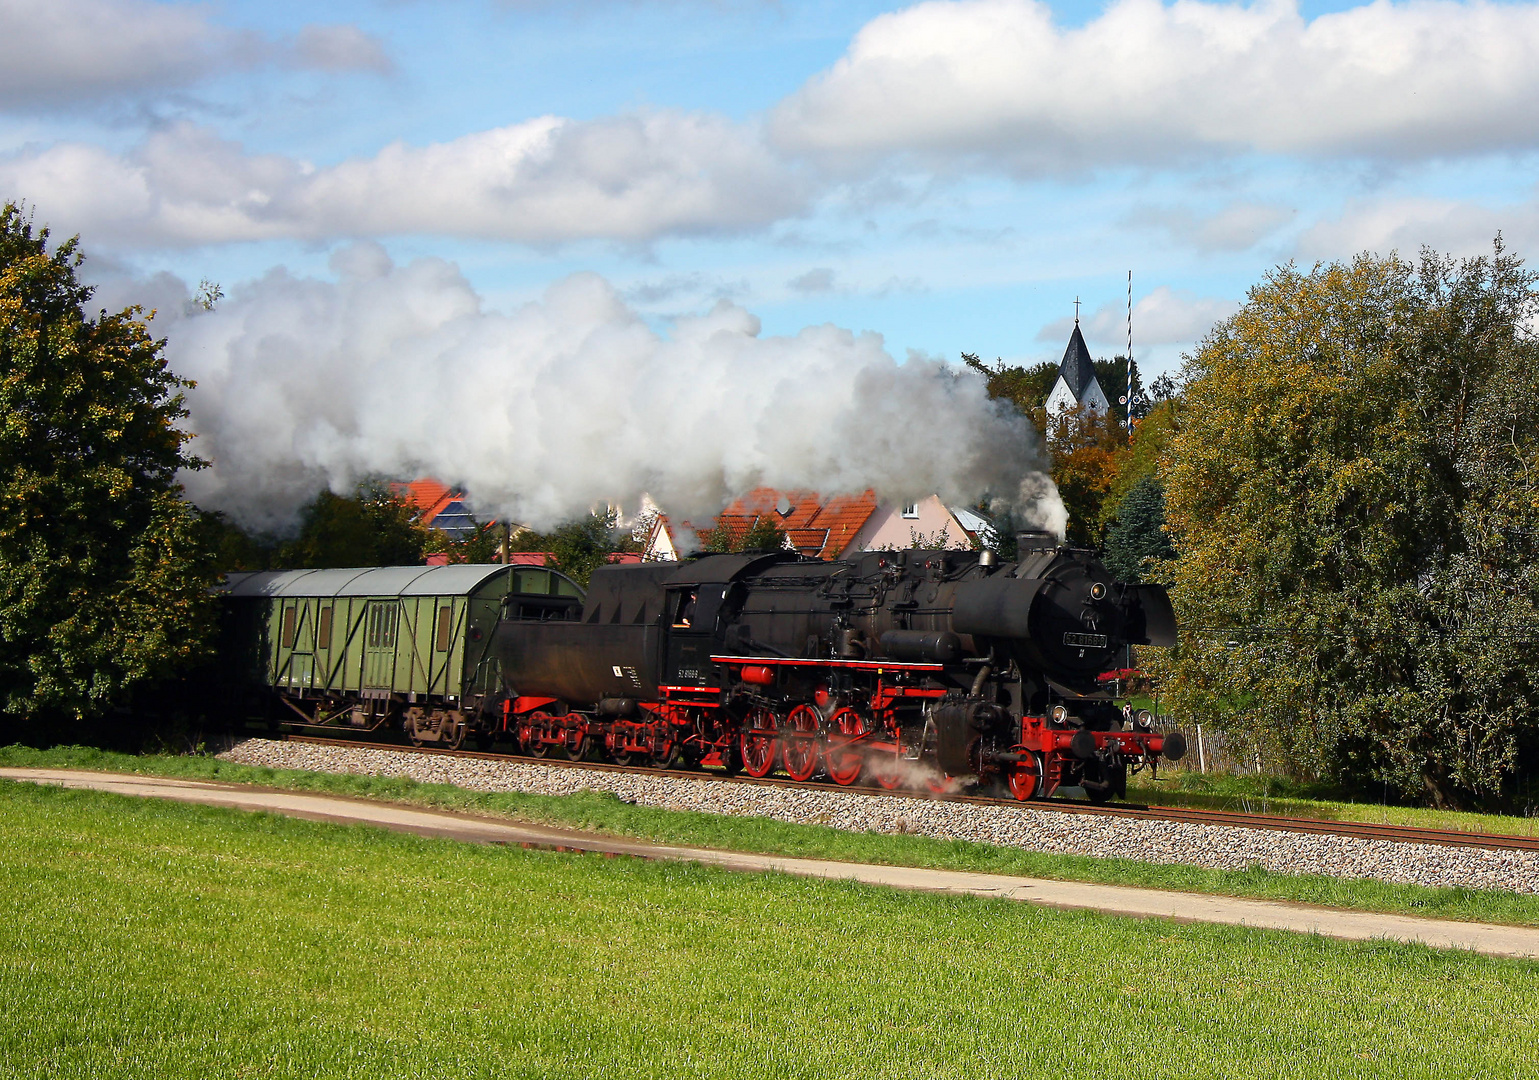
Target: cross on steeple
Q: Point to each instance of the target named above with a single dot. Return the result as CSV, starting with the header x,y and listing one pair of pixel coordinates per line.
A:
x,y
1076,311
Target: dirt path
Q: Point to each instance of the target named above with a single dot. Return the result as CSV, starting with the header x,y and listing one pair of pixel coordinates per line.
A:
x,y
1492,940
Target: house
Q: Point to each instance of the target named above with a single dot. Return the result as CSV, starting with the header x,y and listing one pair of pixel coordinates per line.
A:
x,y
438,507
828,528
1076,384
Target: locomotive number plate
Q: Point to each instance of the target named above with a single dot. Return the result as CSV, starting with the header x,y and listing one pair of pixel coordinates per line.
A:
x,y
1085,641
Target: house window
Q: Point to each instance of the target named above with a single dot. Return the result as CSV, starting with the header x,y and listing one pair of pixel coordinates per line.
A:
x,y
910,510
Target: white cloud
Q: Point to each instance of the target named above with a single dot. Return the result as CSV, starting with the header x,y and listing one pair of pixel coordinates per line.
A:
x,y
1147,82
65,52
1165,316
340,48
1406,224
1235,227
546,180
819,279
564,403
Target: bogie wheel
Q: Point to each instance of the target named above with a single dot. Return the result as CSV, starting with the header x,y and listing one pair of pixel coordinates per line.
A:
x,y
576,744
451,730
731,757
940,783
757,746
800,751
669,756
1026,778
529,735
885,769
1115,782
845,757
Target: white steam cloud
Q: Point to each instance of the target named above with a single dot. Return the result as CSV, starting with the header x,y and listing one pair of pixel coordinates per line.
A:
x,y
568,402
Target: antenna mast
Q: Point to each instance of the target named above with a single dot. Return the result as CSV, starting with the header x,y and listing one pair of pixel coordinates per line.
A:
x,y
1127,414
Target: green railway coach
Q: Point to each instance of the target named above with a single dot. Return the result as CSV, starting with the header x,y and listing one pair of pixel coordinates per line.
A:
x,y
365,648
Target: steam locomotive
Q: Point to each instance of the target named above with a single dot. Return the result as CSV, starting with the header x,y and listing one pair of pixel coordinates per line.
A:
x,y
948,668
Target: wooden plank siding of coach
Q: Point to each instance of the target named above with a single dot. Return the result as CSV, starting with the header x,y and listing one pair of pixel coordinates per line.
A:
x,y
358,644
413,632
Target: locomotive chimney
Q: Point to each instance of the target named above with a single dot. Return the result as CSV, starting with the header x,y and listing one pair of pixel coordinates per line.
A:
x,y
1029,540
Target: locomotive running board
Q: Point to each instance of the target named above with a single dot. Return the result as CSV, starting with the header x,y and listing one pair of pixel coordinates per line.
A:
x,y
862,665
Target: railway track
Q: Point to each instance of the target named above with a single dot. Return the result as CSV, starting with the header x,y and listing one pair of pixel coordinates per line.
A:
x,y
1317,826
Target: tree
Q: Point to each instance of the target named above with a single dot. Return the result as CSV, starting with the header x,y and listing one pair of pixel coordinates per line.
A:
x,y
1354,493
1137,538
580,547
763,534
482,546
105,570
1086,448
1025,388
372,527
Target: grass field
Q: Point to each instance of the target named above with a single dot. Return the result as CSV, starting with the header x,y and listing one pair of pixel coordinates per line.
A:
x,y
148,939
607,814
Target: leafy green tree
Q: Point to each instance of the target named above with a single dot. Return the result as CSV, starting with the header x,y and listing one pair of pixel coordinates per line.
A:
x,y
484,546
762,535
580,547
1138,535
372,527
105,570
1354,493
1025,388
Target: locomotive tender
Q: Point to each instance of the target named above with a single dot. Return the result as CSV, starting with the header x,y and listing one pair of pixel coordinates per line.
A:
x,y
946,668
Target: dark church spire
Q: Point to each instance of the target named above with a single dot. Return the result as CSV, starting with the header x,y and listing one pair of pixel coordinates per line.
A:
x,y
1077,369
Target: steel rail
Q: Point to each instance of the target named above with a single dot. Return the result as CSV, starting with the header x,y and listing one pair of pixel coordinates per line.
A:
x,y
1407,834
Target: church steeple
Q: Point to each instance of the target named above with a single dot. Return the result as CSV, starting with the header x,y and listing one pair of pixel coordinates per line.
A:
x,y
1077,369
1076,383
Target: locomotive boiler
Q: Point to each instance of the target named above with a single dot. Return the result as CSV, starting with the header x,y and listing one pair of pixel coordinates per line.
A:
x,y
947,668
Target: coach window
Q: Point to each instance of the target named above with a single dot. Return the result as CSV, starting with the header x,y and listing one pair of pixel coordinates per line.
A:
x,y
323,629
290,626
445,625
382,625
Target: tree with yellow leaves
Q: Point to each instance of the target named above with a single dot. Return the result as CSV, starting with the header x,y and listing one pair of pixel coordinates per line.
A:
x,y
1354,494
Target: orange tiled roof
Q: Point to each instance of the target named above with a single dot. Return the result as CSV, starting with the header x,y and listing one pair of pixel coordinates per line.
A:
x,y
427,496
814,525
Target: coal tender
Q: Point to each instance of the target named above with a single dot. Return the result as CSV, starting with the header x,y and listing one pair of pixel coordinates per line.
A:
x,y
950,669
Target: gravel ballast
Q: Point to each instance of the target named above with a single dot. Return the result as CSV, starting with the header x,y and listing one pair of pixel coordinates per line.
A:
x,y
1219,847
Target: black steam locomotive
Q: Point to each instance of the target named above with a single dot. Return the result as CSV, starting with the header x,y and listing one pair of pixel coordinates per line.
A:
x,y
947,668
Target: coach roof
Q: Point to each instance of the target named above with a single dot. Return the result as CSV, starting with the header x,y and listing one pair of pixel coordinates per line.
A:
x,y
454,580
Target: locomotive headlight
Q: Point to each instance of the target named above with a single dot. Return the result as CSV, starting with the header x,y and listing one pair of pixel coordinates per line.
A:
x,y
1145,719
1060,714
1098,591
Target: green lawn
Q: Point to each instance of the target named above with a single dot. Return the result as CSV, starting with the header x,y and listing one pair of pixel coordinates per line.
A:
x,y
150,939
602,812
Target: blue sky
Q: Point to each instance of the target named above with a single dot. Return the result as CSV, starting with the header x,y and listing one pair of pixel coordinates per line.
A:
x,y
949,175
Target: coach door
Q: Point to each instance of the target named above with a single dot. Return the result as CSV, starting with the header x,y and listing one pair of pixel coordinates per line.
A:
x,y
379,643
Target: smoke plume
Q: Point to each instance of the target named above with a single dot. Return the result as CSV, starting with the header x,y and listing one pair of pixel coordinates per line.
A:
x,y
567,403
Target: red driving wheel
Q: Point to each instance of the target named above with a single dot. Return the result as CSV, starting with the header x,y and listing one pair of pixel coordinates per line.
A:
x,y
845,757
758,742
799,747
1026,777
